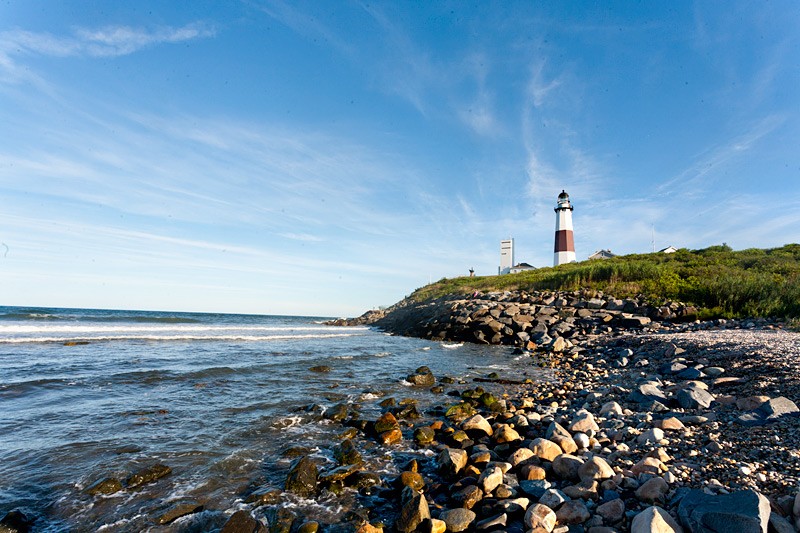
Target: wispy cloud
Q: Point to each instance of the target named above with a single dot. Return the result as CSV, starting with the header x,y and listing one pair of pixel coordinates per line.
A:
x,y
108,41
708,165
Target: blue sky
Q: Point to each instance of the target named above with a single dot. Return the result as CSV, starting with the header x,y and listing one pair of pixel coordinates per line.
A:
x,y
322,158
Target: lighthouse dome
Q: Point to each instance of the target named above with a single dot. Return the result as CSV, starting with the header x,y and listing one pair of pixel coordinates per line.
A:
x,y
563,194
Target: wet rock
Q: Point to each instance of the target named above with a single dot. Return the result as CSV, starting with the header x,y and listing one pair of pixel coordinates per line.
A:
x,y
413,480
386,422
15,522
424,435
309,527
337,413
243,522
178,510
320,368
105,486
457,519
338,474
413,510
280,520
302,477
148,475
655,520
452,460
540,516
422,380
346,453
573,512
744,512
360,480
266,497
393,436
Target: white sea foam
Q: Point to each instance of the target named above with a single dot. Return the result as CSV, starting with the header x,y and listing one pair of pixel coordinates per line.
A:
x,y
234,338
60,328
452,346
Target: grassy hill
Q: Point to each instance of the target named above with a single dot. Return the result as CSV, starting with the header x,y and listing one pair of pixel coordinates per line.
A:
x,y
718,280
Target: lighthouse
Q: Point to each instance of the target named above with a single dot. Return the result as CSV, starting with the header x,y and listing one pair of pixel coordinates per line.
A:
x,y
565,242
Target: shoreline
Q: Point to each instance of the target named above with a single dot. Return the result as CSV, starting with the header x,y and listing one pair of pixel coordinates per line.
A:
x,y
597,399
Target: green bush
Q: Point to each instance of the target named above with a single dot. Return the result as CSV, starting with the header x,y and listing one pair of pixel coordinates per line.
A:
x,y
719,281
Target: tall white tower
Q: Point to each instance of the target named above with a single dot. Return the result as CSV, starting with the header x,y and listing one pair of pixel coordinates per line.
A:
x,y
506,256
565,242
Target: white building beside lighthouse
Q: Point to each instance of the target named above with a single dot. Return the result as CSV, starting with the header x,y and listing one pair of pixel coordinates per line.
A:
x,y
506,256
565,242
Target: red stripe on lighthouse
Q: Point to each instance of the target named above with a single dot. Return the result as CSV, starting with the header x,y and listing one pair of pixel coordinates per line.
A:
x,y
564,241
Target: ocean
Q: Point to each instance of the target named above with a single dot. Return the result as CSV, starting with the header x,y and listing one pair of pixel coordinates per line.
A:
x,y
219,398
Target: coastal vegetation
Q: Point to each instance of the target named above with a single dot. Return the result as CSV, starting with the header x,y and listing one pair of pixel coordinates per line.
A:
x,y
719,281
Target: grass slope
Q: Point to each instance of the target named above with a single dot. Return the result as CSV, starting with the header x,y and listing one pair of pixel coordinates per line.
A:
x,y
718,280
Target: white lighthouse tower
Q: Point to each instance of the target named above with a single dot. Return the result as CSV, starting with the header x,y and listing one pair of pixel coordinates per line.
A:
x,y
565,242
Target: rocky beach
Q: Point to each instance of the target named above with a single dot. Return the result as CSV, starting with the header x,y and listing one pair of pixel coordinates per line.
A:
x,y
651,421
632,418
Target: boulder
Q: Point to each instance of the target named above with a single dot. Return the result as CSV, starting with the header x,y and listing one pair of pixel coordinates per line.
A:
x,y
468,496
413,510
302,477
612,511
573,512
148,475
242,522
653,490
477,424
422,380
545,449
583,422
540,516
776,408
647,393
178,510
346,453
745,511
386,422
457,519
567,466
104,486
694,398
655,520
452,460
506,433
490,479
553,498
595,468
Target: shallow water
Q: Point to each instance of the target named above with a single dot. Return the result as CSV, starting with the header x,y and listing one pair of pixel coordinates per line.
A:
x,y
87,394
